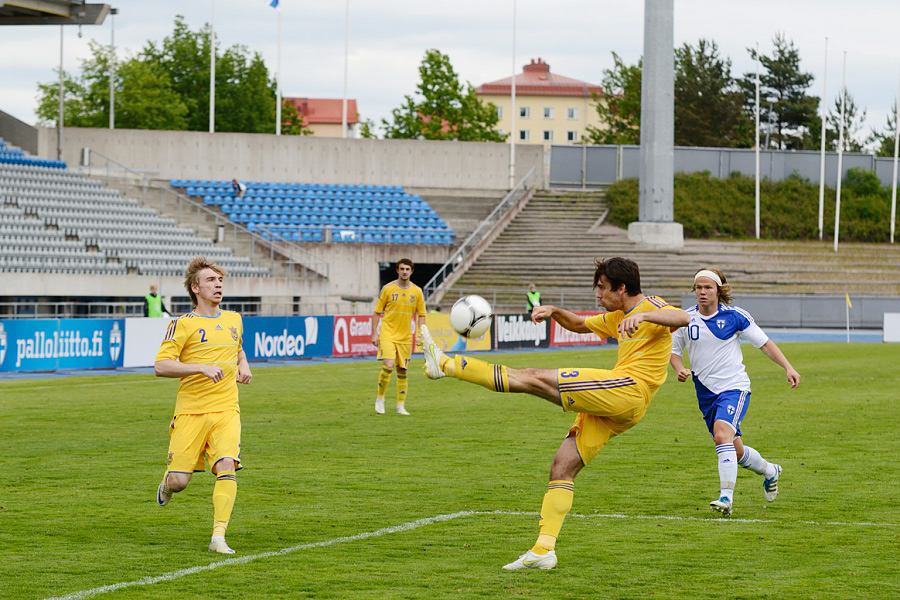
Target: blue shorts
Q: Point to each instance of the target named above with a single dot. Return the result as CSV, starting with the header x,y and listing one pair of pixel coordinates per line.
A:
x,y
729,406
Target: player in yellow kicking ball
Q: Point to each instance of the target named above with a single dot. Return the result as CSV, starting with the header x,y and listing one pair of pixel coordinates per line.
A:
x,y
204,349
607,402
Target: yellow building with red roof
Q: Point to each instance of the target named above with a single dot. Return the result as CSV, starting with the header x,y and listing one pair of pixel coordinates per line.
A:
x,y
550,108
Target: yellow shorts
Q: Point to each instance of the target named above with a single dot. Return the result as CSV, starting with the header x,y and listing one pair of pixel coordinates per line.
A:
x,y
607,402
400,351
196,439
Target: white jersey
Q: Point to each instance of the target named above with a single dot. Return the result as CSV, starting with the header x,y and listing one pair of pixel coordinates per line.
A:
x,y
714,346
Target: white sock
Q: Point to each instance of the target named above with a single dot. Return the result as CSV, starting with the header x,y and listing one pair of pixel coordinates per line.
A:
x,y
755,462
727,469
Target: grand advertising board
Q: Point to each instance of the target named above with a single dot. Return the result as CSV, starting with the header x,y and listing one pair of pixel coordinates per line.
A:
x,y
517,331
51,344
560,336
353,336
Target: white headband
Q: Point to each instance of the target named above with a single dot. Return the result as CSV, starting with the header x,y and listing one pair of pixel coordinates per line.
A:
x,y
710,274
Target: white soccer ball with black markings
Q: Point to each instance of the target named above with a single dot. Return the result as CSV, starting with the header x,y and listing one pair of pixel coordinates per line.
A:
x,y
471,316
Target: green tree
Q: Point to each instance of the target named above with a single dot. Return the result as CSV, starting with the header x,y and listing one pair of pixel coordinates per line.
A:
x,y
854,120
786,110
619,108
292,121
447,109
883,140
708,104
150,102
166,86
366,128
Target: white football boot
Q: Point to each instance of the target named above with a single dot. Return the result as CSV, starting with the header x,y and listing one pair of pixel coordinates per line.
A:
x,y
217,544
433,355
530,560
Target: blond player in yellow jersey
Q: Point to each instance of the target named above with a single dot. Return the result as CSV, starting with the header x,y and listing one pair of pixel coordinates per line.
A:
x,y
606,402
204,349
399,306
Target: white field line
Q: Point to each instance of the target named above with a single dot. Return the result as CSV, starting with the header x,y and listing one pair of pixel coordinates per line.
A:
x,y
422,523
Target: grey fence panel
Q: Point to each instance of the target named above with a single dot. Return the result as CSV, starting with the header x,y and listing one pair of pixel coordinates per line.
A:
x,y
828,312
631,162
566,165
601,164
605,164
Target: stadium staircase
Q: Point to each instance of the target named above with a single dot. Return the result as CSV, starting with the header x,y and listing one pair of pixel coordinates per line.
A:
x,y
554,240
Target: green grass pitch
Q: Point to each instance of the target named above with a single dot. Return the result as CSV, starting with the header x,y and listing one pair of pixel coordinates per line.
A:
x,y
327,479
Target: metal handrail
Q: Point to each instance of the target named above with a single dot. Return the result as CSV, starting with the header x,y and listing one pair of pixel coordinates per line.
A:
x,y
313,262
471,242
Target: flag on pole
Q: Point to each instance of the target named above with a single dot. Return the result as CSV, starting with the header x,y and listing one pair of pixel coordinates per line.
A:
x,y
849,304
274,3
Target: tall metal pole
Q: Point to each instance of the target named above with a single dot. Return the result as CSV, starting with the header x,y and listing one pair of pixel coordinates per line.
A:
x,y
346,52
59,122
278,100
822,153
212,70
112,69
837,205
756,188
512,130
894,183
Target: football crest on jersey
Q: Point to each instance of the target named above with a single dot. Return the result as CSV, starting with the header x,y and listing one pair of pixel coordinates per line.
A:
x,y
720,323
730,409
234,333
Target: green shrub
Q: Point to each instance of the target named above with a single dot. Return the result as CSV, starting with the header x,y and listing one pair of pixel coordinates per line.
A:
x,y
708,207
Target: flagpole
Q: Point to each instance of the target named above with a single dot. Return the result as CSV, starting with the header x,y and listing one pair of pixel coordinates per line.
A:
x,y
212,70
894,183
278,100
512,113
822,159
837,205
848,317
346,51
756,189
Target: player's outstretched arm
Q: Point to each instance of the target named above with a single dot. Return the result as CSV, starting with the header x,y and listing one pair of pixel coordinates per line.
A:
x,y
567,319
771,350
672,318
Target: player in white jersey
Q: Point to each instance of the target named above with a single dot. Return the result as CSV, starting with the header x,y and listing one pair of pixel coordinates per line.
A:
x,y
713,341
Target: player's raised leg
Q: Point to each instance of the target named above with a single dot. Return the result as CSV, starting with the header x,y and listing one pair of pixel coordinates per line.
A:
x,y
497,378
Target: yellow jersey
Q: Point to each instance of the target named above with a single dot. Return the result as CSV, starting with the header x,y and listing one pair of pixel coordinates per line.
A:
x,y
644,355
399,306
195,339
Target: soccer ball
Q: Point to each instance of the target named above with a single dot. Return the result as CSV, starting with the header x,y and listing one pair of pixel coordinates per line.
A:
x,y
471,316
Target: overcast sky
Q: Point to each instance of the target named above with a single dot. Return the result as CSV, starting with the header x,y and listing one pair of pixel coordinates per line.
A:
x,y
388,38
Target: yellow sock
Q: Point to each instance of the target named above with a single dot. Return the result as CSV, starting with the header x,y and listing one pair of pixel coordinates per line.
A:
x,y
224,494
402,386
493,377
383,379
557,504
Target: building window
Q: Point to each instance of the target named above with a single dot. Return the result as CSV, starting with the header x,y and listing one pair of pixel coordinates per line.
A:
x,y
525,112
501,132
571,113
499,112
548,136
571,136
548,112
523,135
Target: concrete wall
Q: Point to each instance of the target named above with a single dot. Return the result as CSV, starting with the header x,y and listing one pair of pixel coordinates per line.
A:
x,y
354,270
813,311
21,134
267,157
